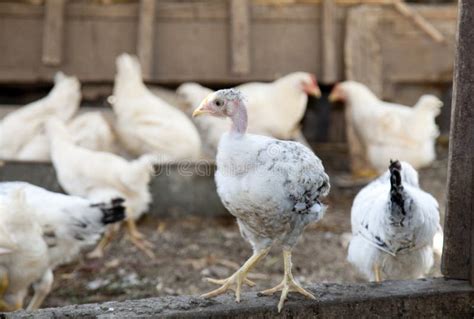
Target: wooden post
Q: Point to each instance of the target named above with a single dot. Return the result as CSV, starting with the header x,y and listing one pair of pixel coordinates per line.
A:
x,y
239,36
328,36
146,36
53,32
458,252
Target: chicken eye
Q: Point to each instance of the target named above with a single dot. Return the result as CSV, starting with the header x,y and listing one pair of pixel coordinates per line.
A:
x,y
219,103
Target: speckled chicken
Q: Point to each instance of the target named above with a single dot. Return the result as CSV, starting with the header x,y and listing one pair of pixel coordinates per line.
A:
x,y
393,226
272,187
63,226
101,176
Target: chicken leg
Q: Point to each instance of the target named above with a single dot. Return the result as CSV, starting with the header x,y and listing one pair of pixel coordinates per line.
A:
x,y
98,251
4,282
288,283
42,289
378,278
137,238
238,278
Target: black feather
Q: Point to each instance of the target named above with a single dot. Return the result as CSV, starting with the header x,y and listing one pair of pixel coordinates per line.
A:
x,y
396,187
113,212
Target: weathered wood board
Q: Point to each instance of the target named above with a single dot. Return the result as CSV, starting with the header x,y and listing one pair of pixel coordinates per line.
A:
x,y
191,41
194,40
394,58
458,251
397,61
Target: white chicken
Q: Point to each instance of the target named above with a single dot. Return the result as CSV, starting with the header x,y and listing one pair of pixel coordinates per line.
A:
x,y
89,130
274,109
393,226
23,253
20,127
100,176
272,187
66,224
92,131
387,130
147,124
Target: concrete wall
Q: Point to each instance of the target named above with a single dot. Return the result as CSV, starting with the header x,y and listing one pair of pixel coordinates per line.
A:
x,y
178,189
428,298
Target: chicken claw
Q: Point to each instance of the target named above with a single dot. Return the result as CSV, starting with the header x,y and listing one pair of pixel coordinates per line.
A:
x,y
4,282
138,239
378,277
247,281
235,281
288,283
98,251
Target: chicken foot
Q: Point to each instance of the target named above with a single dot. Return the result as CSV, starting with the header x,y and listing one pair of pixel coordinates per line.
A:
x,y
98,251
377,275
236,280
42,289
138,239
4,283
288,283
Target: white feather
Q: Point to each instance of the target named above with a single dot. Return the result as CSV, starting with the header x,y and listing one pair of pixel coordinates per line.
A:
x,y
389,130
370,219
21,127
89,130
100,176
27,260
146,123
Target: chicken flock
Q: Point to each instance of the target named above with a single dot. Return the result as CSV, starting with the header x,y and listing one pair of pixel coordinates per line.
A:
x,y
273,185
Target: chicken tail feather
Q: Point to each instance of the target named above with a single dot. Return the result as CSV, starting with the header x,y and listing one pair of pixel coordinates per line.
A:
x,y
113,211
396,187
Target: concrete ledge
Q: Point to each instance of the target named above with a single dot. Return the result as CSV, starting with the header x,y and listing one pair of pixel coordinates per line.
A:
x,y
427,298
180,189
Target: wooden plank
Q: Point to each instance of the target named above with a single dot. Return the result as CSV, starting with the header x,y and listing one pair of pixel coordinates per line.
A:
x,y
363,62
458,251
328,35
418,20
239,36
91,55
211,10
53,32
297,12
146,36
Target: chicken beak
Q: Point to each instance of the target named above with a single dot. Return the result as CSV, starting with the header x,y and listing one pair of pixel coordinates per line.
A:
x,y
202,109
336,95
313,90
333,98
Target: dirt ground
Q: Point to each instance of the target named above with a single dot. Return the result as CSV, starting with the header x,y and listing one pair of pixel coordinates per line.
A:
x,y
190,249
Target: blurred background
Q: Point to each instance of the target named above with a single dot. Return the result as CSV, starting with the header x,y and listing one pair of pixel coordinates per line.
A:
x,y
222,43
